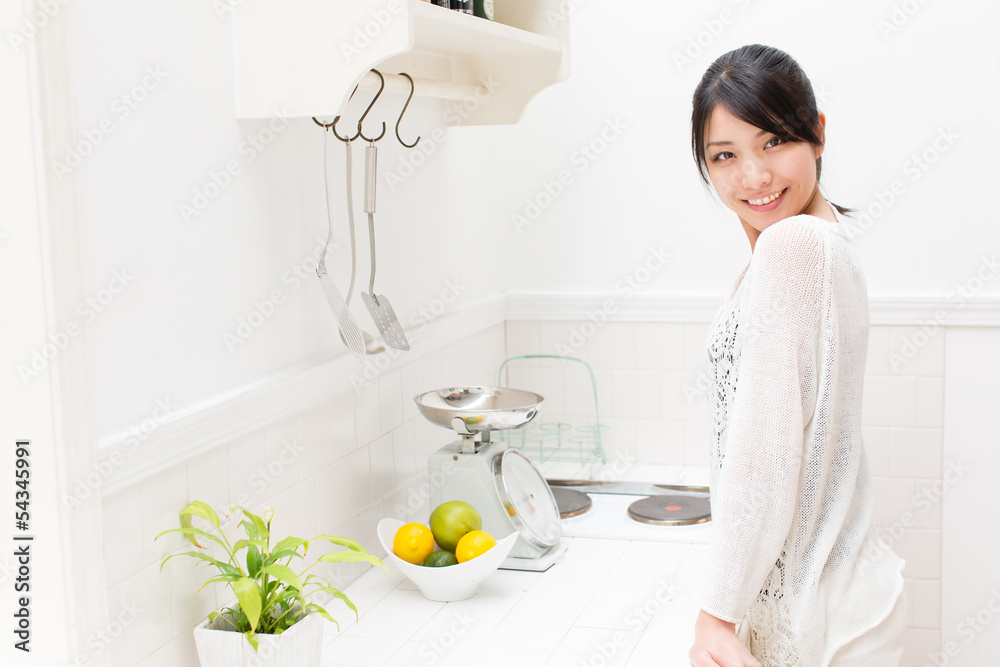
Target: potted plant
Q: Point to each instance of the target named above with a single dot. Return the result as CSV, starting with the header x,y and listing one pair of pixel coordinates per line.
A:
x,y
273,621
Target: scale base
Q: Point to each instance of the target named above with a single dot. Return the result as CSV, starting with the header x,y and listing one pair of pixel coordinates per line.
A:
x,y
540,564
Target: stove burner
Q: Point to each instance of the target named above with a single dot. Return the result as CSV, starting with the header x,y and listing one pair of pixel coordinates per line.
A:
x,y
571,502
671,510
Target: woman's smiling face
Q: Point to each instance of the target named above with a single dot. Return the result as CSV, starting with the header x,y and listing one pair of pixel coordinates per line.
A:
x,y
759,176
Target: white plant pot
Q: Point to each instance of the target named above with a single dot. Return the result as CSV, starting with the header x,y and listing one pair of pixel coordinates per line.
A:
x,y
299,646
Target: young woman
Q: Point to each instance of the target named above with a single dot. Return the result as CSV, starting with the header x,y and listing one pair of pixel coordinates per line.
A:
x,y
794,560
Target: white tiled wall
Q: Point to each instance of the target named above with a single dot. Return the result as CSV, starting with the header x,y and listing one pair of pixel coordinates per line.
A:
x,y
333,468
340,466
650,395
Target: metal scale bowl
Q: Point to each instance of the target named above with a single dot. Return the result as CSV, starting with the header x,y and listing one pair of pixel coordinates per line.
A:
x,y
502,484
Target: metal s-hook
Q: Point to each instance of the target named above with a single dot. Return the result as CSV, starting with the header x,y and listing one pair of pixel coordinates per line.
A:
x,y
333,125
362,119
413,88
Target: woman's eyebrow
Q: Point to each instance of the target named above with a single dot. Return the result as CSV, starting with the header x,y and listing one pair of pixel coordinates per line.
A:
x,y
729,143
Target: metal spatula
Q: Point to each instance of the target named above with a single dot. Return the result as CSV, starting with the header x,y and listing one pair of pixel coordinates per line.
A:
x,y
350,333
382,312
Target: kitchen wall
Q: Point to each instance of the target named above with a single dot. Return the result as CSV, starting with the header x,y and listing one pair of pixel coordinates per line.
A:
x,y
336,467
200,233
344,463
648,381
197,272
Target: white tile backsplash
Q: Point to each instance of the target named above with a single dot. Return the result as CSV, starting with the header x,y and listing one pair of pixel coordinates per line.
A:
x,y
635,394
208,478
411,384
366,410
879,347
245,455
917,351
161,499
339,466
890,401
358,481
314,438
124,550
659,346
522,338
404,454
343,437
282,451
930,402
383,470
876,439
915,452
390,397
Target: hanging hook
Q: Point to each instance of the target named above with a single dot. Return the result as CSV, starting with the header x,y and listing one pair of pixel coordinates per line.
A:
x,y
413,88
333,126
362,119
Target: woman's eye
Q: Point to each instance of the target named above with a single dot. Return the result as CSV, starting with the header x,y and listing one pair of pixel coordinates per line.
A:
x,y
775,141
724,155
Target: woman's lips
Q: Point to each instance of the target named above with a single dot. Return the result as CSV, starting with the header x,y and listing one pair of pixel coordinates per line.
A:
x,y
769,204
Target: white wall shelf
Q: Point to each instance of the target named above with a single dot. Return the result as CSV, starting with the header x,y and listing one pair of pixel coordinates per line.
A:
x,y
303,58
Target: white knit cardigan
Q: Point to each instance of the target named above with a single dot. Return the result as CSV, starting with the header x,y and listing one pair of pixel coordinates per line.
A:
x,y
793,552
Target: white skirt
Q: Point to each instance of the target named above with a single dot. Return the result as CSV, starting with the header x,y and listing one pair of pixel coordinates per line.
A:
x,y
882,646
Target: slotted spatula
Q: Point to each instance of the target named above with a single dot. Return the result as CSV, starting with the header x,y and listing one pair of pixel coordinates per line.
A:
x,y
382,312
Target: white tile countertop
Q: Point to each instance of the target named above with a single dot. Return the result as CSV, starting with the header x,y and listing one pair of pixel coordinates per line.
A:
x,y
609,603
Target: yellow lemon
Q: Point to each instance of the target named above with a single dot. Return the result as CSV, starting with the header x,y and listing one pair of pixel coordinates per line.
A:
x,y
473,544
413,542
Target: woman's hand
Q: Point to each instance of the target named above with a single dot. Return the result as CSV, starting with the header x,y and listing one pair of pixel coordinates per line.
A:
x,y
716,645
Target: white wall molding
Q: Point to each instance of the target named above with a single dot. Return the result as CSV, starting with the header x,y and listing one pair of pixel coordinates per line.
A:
x,y
885,310
191,432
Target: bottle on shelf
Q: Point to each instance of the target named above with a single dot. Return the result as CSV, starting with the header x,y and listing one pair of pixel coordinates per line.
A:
x,y
464,6
442,3
483,9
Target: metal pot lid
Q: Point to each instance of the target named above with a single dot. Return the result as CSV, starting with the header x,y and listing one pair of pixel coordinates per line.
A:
x,y
527,498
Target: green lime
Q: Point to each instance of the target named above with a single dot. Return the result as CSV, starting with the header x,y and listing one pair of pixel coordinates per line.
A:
x,y
440,558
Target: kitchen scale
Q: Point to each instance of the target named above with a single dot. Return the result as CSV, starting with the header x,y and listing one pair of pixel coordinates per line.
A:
x,y
502,484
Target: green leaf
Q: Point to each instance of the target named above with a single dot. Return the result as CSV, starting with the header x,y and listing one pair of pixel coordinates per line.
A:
x,y
315,608
228,578
350,557
337,594
342,541
224,567
275,556
258,523
248,594
189,531
243,544
253,561
198,508
285,574
252,638
290,543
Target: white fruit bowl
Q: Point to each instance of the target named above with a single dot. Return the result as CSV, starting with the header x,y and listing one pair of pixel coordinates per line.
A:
x,y
449,583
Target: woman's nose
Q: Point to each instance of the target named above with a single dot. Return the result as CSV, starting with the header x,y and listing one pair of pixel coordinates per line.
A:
x,y
755,175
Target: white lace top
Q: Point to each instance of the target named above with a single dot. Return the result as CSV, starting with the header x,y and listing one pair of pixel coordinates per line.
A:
x,y
794,555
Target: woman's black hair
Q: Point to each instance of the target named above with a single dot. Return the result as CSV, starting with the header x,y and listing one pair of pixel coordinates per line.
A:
x,y
762,86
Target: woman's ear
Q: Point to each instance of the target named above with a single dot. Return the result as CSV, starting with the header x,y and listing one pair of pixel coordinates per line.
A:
x,y
821,133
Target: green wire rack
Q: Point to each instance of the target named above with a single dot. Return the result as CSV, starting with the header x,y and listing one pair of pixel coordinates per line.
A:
x,y
544,441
